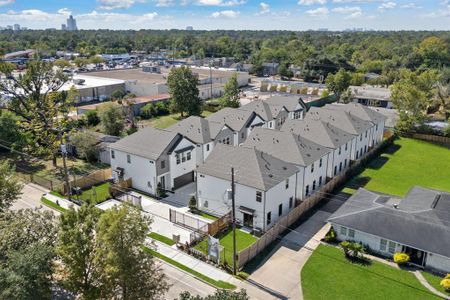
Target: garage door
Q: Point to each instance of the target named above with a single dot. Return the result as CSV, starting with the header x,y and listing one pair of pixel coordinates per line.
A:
x,y
183,180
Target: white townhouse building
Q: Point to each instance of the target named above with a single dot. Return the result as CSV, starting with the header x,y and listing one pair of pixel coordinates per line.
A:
x,y
310,158
154,156
264,185
326,135
293,104
418,225
241,122
348,123
365,113
273,115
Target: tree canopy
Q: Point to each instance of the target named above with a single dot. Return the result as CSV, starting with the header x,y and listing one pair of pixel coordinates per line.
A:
x,y
184,91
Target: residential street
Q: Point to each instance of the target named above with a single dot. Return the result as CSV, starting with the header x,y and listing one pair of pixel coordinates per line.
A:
x,y
31,198
292,252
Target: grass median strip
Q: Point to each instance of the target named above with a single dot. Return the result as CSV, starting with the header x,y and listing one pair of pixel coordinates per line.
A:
x,y
53,205
161,238
218,284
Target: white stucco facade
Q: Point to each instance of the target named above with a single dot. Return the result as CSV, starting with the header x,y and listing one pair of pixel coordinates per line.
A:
x,y
315,175
339,159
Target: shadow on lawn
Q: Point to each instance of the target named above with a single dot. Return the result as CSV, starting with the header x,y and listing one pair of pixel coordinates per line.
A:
x,y
358,182
392,149
378,163
363,261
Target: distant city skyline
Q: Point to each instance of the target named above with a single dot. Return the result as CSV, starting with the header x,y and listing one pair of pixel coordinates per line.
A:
x,y
230,14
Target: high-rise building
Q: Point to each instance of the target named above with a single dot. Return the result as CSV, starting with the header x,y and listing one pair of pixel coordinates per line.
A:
x,y
63,27
16,27
71,23
189,28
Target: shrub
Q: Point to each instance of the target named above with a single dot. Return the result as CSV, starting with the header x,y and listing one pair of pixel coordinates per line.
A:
x,y
401,258
192,203
330,237
160,191
148,111
445,283
162,108
352,249
92,118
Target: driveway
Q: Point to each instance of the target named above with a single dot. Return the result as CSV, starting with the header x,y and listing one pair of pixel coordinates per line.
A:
x,y
280,270
180,198
31,198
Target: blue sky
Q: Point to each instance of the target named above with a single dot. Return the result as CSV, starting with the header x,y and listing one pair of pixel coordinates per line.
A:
x,y
230,14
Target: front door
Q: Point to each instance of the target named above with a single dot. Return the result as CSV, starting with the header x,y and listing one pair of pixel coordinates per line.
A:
x,y
416,256
162,180
248,220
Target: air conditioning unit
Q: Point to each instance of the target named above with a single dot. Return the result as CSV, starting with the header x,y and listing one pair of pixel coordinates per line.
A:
x,y
229,194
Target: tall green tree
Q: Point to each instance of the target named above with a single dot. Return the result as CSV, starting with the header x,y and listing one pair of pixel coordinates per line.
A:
x,y
76,248
339,82
85,143
10,187
126,270
184,91
112,120
36,98
11,135
218,295
27,239
231,93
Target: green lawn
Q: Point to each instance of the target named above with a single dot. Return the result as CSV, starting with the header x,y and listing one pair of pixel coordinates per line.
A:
x,y
206,216
161,238
243,240
166,121
405,164
53,205
435,281
218,284
101,193
329,275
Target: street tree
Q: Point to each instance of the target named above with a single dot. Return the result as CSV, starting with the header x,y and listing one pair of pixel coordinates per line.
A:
x,y
112,119
339,82
230,97
218,295
37,100
184,91
76,248
10,186
126,270
85,143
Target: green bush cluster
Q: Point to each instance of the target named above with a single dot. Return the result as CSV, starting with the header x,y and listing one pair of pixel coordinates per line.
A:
x,y
352,249
330,237
152,110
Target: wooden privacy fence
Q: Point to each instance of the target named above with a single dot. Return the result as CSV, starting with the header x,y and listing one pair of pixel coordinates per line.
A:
x,y
273,233
432,138
219,224
92,179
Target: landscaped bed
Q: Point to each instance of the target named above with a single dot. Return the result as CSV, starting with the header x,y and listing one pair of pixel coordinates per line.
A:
x,y
406,163
243,240
53,205
329,275
435,281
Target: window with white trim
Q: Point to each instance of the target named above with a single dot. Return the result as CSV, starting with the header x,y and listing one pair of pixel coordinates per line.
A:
x,y
129,158
343,230
188,155
351,233
258,196
113,154
383,245
392,246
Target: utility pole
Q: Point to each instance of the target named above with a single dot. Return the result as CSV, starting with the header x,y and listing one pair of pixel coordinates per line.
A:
x,y
233,219
210,77
66,172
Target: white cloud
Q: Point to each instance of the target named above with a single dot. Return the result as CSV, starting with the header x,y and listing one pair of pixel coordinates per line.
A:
x,y
441,13
164,3
351,12
225,14
410,5
387,5
117,4
6,2
264,8
357,1
320,12
219,2
64,11
311,2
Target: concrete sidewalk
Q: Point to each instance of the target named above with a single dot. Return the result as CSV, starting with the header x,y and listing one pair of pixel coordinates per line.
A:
x,y
191,262
64,203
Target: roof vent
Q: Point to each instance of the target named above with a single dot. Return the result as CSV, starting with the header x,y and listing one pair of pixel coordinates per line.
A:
x,y
396,206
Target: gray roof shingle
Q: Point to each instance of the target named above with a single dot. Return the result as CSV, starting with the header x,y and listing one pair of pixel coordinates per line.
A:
x,y
252,167
318,131
288,101
340,119
286,146
197,129
421,220
361,111
235,118
148,142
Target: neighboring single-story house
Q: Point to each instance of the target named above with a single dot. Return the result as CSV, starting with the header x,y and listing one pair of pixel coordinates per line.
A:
x,y
264,185
310,158
349,123
418,224
326,135
270,69
103,140
241,122
371,96
154,156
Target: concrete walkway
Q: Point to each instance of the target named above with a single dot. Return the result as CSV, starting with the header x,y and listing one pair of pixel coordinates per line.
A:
x,y
191,262
64,203
426,284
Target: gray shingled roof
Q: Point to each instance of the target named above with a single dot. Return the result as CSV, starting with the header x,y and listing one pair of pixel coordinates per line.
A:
x,y
340,119
148,142
195,128
288,101
361,111
390,114
286,146
421,220
265,110
252,167
318,131
235,118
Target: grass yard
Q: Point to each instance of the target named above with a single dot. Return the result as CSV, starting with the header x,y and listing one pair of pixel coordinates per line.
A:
x,y
206,216
166,121
243,240
161,238
53,205
218,284
101,193
329,275
435,281
405,164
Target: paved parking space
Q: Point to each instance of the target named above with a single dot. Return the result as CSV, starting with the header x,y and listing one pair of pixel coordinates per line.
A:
x,y
180,198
